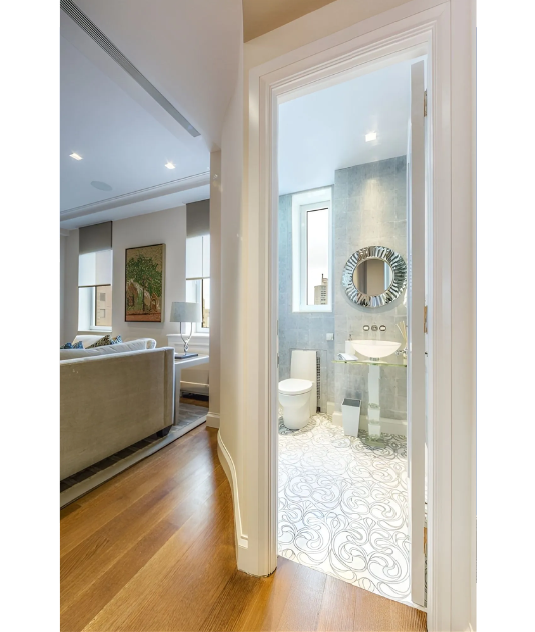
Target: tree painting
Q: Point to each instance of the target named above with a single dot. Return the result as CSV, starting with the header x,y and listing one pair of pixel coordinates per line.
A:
x,y
144,283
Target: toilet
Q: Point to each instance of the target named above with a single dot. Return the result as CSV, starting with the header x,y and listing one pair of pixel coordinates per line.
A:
x,y
297,395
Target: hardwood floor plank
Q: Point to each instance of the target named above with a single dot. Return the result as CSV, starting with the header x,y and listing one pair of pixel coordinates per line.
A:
x,y
106,502
231,603
302,608
94,598
79,569
176,588
264,609
337,612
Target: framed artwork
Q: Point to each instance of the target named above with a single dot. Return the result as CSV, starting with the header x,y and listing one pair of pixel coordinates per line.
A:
x,y
144,284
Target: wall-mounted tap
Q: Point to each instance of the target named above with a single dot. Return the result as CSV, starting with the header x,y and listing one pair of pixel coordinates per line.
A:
x,y
374,327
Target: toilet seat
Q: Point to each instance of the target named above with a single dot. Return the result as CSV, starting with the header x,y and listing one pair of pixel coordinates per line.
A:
x,y
294,386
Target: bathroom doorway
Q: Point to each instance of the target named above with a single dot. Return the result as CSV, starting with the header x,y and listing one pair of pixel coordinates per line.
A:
x,y
352,279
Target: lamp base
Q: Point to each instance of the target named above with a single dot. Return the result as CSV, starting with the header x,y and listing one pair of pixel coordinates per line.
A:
x,y
183,356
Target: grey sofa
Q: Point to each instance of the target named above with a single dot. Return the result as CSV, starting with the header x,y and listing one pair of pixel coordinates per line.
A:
x,y
109,402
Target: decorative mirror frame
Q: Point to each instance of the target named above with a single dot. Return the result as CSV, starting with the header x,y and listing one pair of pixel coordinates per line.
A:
x,y
393,291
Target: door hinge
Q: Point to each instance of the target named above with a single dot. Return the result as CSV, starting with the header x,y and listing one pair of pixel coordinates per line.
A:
x,y
425,103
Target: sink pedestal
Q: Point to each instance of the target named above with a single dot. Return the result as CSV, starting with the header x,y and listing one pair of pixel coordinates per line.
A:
x,y
374,438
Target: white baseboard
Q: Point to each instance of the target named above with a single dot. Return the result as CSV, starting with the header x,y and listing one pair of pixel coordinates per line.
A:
x,y
212,420
194,387
228,466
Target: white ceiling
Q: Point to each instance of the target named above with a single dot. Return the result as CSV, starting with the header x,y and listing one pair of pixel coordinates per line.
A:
x,y
189,51
324,131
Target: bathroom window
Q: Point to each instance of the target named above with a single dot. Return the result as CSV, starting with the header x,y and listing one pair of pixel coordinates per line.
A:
x,y
312,251
198,277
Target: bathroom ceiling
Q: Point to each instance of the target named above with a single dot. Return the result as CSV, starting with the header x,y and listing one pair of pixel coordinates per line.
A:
x,y
324,131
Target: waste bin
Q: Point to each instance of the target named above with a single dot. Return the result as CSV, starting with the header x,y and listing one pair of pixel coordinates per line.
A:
x,y
351,416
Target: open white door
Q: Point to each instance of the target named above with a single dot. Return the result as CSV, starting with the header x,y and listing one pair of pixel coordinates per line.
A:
x,y
416,337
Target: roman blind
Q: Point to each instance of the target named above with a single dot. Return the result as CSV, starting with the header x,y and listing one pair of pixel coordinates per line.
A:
x,y
95,238
198,218
95,260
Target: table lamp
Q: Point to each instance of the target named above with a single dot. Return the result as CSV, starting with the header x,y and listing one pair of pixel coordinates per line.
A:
x,y
185,313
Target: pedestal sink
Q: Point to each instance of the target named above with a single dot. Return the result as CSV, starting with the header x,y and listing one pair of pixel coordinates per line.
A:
x,y
374,349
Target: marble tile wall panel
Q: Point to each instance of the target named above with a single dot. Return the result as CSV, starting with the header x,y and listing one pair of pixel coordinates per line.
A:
x,y
369,208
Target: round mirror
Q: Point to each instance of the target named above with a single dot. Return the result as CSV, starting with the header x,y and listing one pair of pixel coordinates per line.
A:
x,y
374,276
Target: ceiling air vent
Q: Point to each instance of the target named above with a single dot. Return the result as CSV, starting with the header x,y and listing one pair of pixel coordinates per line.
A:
x,y
98,36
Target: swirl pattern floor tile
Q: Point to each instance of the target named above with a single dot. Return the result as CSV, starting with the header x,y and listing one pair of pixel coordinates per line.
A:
x,y
343,507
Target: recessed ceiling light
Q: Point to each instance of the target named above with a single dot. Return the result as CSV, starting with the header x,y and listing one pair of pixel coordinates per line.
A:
x,y
370,136
75,156
169,165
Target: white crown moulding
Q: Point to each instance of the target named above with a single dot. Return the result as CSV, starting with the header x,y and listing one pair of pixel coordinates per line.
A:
x,y
175,186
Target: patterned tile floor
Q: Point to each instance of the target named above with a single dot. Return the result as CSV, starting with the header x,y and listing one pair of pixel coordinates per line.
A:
x,y
343,507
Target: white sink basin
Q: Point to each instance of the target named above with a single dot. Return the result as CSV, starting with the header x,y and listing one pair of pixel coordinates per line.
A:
x,y
375,348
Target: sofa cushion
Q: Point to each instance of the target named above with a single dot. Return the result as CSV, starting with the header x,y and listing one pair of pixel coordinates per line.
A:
x,y
122,347
102,342
87,339
72,345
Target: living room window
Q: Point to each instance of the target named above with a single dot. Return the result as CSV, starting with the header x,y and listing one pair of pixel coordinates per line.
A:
x,y
95,263
198,277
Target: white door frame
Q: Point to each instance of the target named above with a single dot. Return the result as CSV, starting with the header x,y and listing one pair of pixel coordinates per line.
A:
x,y
425,26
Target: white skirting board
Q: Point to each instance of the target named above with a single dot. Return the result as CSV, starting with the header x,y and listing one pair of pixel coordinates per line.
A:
x,y
212,420
228,466
194,387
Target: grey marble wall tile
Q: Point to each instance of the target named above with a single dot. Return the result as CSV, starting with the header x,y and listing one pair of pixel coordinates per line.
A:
x,y
369,208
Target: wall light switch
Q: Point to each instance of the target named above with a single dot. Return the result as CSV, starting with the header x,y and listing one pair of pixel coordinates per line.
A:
x,y
329,336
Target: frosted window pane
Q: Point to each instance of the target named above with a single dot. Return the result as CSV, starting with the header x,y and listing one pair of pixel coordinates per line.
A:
x,y
95,268
193,291
194,257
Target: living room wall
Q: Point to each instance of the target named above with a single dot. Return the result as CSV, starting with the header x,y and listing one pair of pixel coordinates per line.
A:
x,y
168,227
165,227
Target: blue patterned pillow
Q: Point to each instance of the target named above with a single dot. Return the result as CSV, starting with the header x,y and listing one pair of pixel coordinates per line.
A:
x,y
116,340
70,345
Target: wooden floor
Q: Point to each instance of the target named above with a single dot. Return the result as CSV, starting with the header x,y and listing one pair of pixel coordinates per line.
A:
x,y
153,549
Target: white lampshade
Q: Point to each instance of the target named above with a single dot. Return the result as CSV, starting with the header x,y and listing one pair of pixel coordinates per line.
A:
x,y
185,313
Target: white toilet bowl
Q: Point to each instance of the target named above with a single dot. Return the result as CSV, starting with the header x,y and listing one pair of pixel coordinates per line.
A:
x,y
294,397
